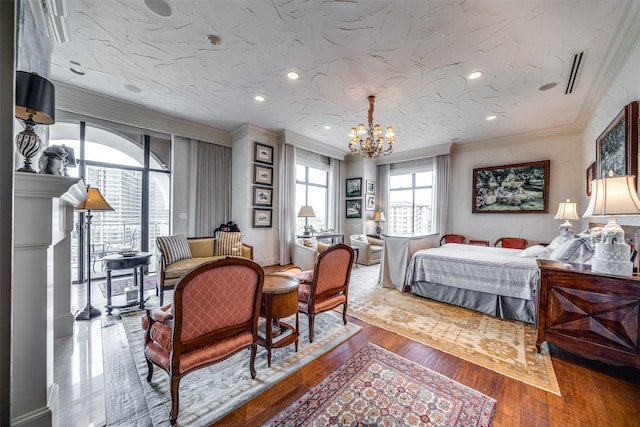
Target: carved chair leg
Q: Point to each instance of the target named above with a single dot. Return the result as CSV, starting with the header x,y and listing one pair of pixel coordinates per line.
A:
x,y
311,323
175,404
161,296
344,314
149,370
252,368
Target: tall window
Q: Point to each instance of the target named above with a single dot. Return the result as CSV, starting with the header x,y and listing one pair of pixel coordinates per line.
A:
x,y
312,190
410,203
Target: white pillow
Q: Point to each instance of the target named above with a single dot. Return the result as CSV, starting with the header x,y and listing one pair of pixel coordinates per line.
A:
x,y
535,251
578,251
558,240
310,242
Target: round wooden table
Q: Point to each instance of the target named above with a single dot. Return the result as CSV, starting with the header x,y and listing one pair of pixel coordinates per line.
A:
x,y
136,262
279,300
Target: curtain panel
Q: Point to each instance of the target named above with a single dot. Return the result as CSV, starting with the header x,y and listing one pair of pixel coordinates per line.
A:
x,y
441,196
286,201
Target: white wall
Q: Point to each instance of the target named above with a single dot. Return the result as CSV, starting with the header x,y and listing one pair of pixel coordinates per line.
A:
x,y
566,176
359,167
623,89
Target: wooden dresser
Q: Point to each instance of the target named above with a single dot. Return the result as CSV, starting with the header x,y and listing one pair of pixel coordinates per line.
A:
x,y
594,315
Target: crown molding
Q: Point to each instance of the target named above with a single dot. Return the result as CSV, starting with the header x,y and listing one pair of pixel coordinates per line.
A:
x,y
309,144
625,36
83,102
420,153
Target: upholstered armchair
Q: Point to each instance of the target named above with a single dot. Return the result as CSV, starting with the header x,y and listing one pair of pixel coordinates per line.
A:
x,y
328,286
512,242
304,252
369,248
213,316
452,238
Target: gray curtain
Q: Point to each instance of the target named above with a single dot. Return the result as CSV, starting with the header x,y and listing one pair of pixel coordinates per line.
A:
x,y
286,202
210,180
335,195
441,187
382,182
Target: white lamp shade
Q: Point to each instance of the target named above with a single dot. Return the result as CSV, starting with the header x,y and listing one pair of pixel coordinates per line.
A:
x,y
567,210
306,212
615,195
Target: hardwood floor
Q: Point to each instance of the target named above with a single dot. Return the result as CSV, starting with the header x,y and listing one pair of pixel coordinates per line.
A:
x,y
593,394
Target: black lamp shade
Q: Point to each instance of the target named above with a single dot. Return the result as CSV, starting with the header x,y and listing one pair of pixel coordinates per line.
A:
x,y
35,98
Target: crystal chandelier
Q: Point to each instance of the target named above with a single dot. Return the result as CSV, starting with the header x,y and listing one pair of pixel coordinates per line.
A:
x,y
370,142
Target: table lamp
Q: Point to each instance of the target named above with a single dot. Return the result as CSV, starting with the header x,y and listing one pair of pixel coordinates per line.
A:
x,y
35,104
306,212
568,211
612,197
94,202
378,217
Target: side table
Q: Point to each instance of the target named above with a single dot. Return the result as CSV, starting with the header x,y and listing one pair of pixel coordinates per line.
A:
x,y
279,300
136,262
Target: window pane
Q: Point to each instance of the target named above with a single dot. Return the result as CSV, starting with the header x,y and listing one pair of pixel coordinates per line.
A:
x,y
159,207
400,181
423,213
400,220
300,173
424,179
317,176
160,150
107,147
318,200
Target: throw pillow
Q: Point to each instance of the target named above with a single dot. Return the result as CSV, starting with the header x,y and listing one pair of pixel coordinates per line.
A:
x,y
310,242
228,243
579,251
558,240
173,248
535,251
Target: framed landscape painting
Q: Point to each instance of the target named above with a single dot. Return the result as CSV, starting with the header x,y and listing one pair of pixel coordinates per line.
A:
x,y
354,187
617,146
517,188
354,208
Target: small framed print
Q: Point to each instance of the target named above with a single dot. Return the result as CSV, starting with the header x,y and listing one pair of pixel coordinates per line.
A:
x,y
354,187
371,187
354,208
262,218
263,153
370,202
262,175
262,196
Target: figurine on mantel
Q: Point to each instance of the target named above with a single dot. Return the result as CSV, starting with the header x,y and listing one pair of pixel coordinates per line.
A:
x,y
53,160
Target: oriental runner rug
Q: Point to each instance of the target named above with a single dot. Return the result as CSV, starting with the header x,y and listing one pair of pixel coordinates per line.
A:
x,y
379,388
208,394
504,346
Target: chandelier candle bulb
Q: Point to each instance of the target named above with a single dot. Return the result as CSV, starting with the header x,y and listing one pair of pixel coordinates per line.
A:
x,y
370,142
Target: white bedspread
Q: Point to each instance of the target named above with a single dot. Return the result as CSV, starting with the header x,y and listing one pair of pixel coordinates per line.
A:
x,y
498,271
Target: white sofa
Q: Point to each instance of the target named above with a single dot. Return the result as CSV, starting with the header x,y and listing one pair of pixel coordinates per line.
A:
x,y
370,248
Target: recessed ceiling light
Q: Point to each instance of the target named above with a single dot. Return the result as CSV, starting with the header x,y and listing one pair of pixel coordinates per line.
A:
x,y
214,40
293,75
77,70
259,98
133,88
159,7
489,118
548,86
327,127
474,75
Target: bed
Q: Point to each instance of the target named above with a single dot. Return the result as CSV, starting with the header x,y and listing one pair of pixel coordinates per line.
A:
x,y
495,281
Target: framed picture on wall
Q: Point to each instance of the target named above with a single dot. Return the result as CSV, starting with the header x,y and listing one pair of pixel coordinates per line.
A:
x,y
354,208
263,153
262,175
371,187
370,202
591,175
262,196
517,188
354,187
617,146
262,218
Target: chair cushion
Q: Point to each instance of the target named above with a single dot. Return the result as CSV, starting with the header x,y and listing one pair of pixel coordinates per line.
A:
x,y
178,268
376,248
304,291
215,351
228,243
174,248
201,248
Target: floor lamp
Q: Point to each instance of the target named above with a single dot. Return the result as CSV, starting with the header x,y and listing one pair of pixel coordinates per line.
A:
x,y
94,202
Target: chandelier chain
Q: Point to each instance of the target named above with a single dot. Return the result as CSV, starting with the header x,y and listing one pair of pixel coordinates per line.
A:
x,y
370,142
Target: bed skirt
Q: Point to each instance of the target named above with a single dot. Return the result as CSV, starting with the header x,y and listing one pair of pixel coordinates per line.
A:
x,y
494,305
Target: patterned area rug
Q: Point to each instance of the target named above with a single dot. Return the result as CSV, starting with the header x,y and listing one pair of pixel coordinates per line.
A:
x,y
117,286
378,388
210,393
505,346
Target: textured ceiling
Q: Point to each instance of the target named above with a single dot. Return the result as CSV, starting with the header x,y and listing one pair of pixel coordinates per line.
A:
x,y
414,56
